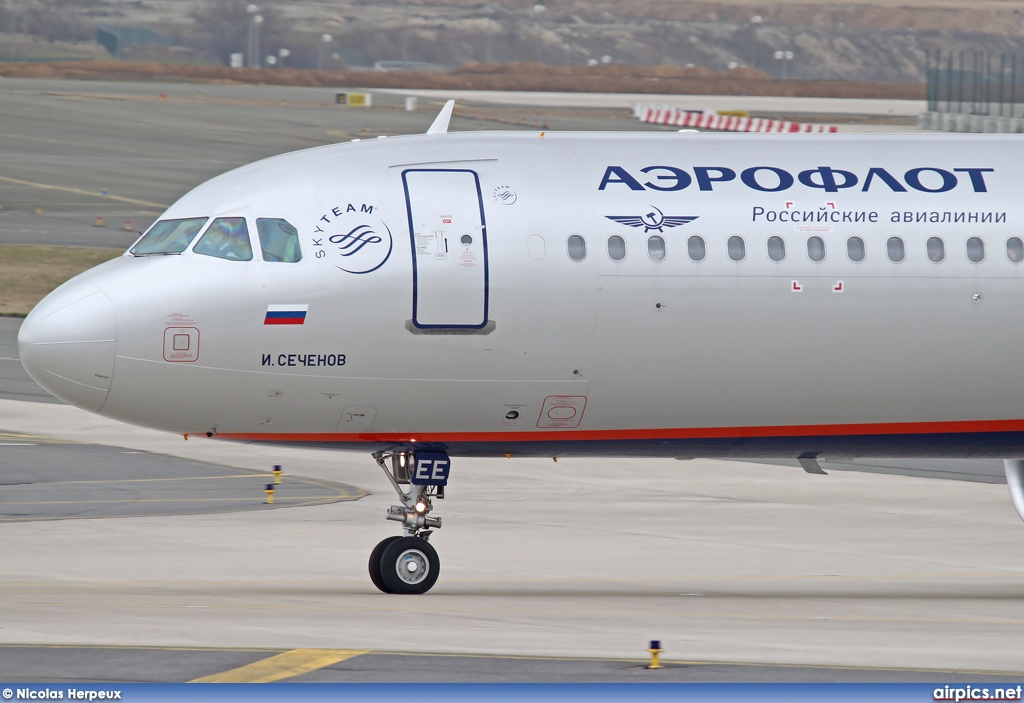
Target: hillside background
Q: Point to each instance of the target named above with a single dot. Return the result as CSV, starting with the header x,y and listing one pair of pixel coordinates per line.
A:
x,y
884,40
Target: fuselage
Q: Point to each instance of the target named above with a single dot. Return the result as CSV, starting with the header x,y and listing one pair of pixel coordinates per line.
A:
x,y
575,294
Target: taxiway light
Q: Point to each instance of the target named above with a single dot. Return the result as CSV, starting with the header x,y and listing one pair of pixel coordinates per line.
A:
x,y
654,650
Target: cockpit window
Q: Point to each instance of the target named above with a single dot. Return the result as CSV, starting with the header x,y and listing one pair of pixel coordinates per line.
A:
x,y
169,236
226,238
279,240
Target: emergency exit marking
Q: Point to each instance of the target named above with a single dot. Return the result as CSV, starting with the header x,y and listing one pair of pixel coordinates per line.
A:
x,y
797,288
838,287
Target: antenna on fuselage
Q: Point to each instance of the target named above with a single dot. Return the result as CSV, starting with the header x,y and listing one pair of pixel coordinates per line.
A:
x,y
440,123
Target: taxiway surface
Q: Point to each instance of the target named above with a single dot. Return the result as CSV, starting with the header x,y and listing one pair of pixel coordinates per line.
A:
x,y
125,151
723,562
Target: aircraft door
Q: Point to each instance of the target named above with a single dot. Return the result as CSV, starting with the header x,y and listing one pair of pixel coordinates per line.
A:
x,y
449,249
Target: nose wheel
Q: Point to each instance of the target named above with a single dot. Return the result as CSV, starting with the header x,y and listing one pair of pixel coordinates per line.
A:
x,y
404,565
408,564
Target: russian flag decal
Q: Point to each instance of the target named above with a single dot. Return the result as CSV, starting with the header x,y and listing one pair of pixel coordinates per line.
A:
x,y
285,314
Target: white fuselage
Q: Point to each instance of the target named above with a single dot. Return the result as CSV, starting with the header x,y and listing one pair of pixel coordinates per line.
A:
x,y
448,301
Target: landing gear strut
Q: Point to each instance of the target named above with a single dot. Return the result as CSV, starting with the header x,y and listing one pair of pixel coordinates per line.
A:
x,y
408,564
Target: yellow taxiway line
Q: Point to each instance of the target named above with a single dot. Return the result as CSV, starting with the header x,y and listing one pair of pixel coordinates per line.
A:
x,y
282,666
79,191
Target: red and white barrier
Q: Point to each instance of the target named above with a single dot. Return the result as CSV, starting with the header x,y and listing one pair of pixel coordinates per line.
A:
x,y
725,123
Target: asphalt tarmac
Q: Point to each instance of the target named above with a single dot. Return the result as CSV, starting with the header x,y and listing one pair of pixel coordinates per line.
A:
x,y
550,572
71,664
14,382
123,152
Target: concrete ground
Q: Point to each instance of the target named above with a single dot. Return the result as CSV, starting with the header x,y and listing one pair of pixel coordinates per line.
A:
x,y
721,561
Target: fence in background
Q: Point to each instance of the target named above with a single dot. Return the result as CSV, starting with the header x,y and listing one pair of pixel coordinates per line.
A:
x,y
661,114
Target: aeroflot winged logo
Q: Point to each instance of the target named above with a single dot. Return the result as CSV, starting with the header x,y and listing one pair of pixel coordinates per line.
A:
x,y
655,220
354,240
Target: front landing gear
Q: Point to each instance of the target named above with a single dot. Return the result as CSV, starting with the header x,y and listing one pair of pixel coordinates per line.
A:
x,y
408,564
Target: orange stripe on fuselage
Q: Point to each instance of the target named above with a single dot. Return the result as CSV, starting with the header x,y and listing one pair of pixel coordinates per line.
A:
x,y
887,428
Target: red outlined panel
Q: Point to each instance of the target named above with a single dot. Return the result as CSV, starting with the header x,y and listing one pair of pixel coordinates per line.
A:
x,y
562,411
181,344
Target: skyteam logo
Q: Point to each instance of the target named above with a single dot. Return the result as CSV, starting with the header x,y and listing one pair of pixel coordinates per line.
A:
x,y
653,221
354,241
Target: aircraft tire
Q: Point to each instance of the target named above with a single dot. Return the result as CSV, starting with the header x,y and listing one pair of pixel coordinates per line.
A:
x,y
375,559
409,565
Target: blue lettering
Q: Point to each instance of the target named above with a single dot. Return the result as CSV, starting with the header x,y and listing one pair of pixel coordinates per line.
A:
x,y
681,179
705,179
620,176
886,178
828,179
913,178
749,177
977,179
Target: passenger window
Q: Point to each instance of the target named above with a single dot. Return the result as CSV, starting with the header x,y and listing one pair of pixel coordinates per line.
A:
x,y
695,248
816,249
169,236
616,248
936,250
776,249
227,238
737,250
1015,250
895,249
975,250
577,247
656,248
855,249
278,240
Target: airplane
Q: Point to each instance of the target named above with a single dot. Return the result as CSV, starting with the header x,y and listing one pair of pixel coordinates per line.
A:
x,y
545,294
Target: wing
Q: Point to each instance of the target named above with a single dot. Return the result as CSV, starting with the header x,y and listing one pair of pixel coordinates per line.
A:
x,y
631,220
674,221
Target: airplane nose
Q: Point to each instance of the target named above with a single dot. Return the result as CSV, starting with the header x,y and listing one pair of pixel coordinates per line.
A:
x,y
66,344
